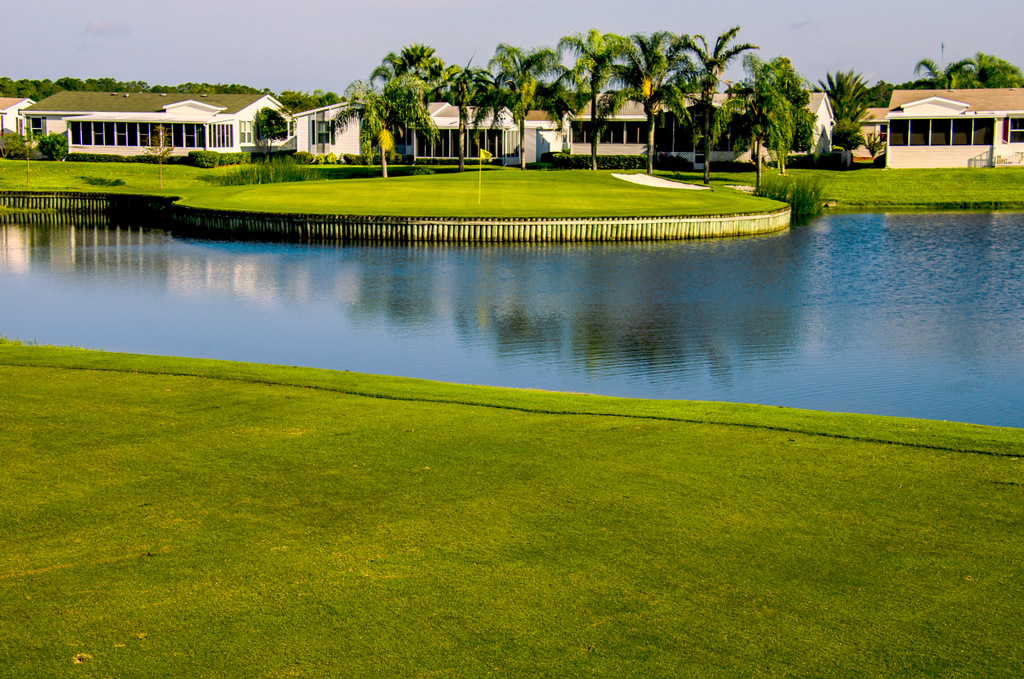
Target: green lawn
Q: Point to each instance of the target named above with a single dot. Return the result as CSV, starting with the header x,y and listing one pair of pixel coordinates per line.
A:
x,y
171,517
508,192
501,192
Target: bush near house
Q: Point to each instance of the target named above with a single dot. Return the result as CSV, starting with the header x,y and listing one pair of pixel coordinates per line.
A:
x,y
103,158
54,146
205,159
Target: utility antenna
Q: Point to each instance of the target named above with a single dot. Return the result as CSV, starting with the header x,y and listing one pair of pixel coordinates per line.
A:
x,y
943,56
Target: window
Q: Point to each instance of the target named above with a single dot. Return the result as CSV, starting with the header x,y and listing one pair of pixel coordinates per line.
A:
x,y
245,132
121,133
984,132
221,136
963,132
919,132
940,132
899,132
36,125
1017,130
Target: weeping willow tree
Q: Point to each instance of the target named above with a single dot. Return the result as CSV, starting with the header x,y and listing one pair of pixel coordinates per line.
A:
x,y
382,113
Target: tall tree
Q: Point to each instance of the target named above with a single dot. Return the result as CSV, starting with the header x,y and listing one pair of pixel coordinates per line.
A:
x,y
765,107
465,88
957,75
381,113
848,93
416,60
650,73
517,74
710,66
596,54
991,71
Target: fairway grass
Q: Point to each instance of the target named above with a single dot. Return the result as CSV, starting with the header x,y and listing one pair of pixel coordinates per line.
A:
x,y
168,517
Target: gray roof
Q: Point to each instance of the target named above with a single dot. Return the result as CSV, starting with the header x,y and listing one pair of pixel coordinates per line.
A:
x,y
137,102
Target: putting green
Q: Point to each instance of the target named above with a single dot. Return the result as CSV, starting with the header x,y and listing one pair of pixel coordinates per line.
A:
x,y
494,193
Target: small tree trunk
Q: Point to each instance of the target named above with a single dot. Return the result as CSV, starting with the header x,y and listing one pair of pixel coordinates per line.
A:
x,y
593,129
757,146
383,163
707,146
522,143
650,144
462,143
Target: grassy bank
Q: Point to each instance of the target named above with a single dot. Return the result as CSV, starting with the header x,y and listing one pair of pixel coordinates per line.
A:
x,y
175,517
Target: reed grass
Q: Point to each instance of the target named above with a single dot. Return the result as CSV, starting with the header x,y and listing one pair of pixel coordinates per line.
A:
x,y
274,171
805,193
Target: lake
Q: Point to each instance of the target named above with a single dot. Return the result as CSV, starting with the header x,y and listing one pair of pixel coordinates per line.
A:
x,y
918,315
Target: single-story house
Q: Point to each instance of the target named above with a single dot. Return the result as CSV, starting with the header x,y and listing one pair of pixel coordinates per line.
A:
x,y
316,133
873,124
625,132
498,137
10,113
956,128
122,123
824,120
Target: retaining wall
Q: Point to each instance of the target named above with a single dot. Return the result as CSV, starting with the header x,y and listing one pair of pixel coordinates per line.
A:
x,y
232,224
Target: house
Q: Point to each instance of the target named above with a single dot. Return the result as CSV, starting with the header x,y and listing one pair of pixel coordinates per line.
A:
x,y
498,135
122,123
824,119
10,113
956,128
873,124
316,133
625,132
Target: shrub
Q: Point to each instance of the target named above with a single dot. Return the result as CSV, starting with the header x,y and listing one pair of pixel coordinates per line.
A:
x,y
54,146
303,157
104,158
325,159
205,159
393,159
12,145
240,158
540,166
804,193
420,170
273,171
568,161
672,163
847,135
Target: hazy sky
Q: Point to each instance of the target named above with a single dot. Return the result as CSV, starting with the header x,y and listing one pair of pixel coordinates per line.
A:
x,y
310,44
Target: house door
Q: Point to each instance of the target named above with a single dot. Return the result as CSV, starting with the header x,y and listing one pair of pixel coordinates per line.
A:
x,y
698,160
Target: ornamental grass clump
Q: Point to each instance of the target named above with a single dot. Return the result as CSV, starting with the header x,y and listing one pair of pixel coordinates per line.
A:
x,y
275,171
804,193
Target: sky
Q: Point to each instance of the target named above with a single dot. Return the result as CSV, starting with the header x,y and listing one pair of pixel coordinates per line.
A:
x,y
324,44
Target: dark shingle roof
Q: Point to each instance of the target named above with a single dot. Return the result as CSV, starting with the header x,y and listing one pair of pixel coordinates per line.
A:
x,y
136,102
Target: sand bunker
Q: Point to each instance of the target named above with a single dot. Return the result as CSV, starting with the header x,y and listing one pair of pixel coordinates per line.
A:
x,y
657,182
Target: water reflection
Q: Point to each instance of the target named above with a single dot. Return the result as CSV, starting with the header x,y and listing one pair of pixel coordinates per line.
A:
x,y
902,314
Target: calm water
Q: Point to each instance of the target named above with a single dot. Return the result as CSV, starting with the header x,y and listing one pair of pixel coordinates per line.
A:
x,y
916,315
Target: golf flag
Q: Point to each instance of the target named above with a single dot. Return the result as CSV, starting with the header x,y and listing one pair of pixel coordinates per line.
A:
x,y
484,155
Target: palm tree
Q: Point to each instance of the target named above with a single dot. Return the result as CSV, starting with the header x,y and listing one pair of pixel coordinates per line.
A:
x,y
465,88
596,54
710,65
518,73
957,75
767,112
848,93
416,60
652,65
382,111
991,71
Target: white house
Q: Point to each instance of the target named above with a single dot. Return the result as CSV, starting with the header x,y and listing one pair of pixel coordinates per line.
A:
x,y
316,133
10,113
956,128
625,132
122,123
499,137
